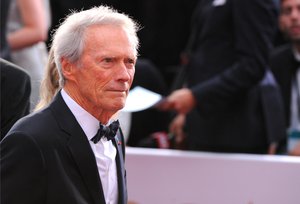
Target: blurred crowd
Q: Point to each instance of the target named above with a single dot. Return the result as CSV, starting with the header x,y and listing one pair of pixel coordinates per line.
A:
x,y
228,70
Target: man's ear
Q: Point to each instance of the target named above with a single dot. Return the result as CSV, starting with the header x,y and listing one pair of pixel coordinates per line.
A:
x,y
67,68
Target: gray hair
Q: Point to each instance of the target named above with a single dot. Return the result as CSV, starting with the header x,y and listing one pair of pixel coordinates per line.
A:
x,y
68,40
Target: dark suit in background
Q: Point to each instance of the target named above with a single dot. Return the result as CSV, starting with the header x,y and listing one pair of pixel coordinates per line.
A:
x,y
148,76
165,31
61,160
284,66
15,94
15,83
229,55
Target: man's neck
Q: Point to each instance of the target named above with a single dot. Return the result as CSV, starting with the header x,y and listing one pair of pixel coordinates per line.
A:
x,y
102,115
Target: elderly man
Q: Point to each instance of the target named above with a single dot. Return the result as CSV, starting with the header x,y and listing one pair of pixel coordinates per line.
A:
x,y
73,151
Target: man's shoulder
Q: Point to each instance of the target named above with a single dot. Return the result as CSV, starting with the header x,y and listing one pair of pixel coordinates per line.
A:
x,y
34,122
37,130
47,120
11,73
13,69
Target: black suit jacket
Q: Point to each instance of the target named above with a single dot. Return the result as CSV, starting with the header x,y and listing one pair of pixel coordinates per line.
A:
x,y
229,55
15,94
46,158
284,67
148,76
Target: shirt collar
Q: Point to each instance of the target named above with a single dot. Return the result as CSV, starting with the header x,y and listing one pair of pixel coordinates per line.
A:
x,y
87,122
296,54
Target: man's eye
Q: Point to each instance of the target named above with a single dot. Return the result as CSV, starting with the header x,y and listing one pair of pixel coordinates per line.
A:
x,y
286,11
108,60
130,61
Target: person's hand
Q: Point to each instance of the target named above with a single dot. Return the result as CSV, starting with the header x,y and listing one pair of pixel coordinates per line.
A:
x,y
296,150
184,58
272,148
177,128
182,101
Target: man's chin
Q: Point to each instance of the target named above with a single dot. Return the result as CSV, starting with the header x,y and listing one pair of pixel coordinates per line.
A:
x,y
118,106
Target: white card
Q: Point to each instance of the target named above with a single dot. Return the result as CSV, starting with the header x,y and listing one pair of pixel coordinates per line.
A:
x,y
218,2
140,99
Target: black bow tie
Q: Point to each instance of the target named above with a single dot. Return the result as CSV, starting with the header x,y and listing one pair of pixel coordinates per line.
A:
x,y
106,131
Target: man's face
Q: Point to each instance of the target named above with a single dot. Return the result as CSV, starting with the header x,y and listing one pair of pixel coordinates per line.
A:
x,y
104,73
289,20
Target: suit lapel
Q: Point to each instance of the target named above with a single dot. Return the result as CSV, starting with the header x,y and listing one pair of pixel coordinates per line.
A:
x,y
120,146
80,149
86,163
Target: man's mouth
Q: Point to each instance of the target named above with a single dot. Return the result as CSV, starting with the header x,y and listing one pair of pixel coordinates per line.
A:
x,y
295,29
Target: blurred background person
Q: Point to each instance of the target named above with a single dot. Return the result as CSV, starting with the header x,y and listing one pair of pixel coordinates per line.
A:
x,y
165,31
15,82
15,93
227,56
27,27
150,121
285,63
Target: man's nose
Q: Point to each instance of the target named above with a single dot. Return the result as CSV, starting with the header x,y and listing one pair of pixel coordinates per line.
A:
x,y
123,72
295,14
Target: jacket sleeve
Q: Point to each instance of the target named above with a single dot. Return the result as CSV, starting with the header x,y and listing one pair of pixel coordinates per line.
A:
x,y
254,24
22,170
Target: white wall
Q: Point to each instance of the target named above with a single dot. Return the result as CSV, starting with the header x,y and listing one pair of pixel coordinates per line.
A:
x,y
156,176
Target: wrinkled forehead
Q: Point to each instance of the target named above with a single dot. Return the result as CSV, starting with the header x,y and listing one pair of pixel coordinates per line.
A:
x,y
101,32
286,6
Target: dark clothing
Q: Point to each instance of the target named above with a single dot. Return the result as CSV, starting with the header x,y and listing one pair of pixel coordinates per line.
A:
x,y
146,122
4,47
165,31
284,67
229,56
15,95
164,26
47,158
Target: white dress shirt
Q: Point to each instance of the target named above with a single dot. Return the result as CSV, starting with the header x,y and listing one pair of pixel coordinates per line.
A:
x,y
104,151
